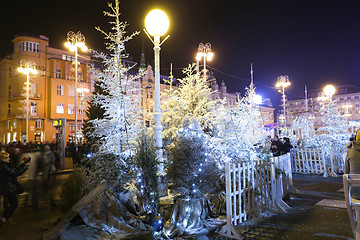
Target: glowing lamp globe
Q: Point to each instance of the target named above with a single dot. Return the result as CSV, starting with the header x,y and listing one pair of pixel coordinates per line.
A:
x,y
329,90
156,22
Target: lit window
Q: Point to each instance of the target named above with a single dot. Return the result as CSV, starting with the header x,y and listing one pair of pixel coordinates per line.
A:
x,y
33,108
60,90
33,89
82,110
71,127
71,91
28,47
38,123
71,109
60,108
58,73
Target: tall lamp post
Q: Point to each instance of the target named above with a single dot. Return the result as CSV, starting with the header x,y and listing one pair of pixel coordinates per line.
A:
x,y
75,41
282,83
157,24
204,52
27,67
82,92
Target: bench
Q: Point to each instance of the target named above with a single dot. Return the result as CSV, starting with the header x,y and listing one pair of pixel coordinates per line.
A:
x,y
352,204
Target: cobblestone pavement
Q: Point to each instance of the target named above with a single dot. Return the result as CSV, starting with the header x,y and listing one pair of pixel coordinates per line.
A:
x,y
305,220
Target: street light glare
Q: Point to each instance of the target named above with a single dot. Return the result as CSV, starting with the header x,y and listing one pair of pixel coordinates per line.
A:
x,y
209,56
157,22
198,56
329,90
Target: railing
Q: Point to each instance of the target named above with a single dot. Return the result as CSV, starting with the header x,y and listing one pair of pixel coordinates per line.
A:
x,y
337,162
31,95
248,192
308,161
318,161
254,187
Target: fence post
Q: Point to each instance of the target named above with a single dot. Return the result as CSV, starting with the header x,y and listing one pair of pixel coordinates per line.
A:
x,y
228,230
273,188
324,162
332,172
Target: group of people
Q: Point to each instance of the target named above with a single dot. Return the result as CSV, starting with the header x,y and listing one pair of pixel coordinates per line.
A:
x,y
15,162
279,147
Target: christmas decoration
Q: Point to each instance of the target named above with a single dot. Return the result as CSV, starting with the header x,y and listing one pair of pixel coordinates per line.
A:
x,y
192,170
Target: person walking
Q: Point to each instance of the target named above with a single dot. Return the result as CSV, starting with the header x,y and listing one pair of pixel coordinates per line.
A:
x,y
352,162
49,173
9,186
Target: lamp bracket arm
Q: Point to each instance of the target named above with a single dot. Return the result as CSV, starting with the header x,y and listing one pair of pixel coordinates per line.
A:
x,y
164,39
149,36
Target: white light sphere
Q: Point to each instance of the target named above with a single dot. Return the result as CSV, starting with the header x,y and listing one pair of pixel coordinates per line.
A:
x,y
329,90
157,22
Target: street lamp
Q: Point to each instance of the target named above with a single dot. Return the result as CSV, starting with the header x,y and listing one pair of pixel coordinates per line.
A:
x,y
157,24
329,91
75,41
204,51
82,92
27,67
282,83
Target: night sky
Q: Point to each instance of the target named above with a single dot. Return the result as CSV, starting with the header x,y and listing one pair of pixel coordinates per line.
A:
x,y
313,42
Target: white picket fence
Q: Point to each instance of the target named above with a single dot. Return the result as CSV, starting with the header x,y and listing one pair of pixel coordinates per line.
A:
x,y
337,162
248,192
308,161
253,187
249,187
318,161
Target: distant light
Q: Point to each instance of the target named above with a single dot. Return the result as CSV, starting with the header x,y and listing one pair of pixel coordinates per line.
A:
x,y
329,90
257,99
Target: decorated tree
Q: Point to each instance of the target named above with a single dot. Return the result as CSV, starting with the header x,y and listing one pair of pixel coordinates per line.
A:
x,y
192,100
146,183
94,111
119,123
119,126
239,131
303,129
334,132
192,170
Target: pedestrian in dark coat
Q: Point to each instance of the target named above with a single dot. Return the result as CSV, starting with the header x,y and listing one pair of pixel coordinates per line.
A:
x,y
9,187
276,146
286,145
352,162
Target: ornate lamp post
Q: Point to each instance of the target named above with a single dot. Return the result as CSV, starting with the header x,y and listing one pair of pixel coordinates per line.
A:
x,y
75,41
27,67
82,92
282,83
157,24
204,51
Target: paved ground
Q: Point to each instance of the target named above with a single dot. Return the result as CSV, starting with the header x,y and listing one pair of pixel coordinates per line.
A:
x,y
305,220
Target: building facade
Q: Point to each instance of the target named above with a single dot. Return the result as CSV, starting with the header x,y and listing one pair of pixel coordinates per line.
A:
x,y
347,99
51,91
